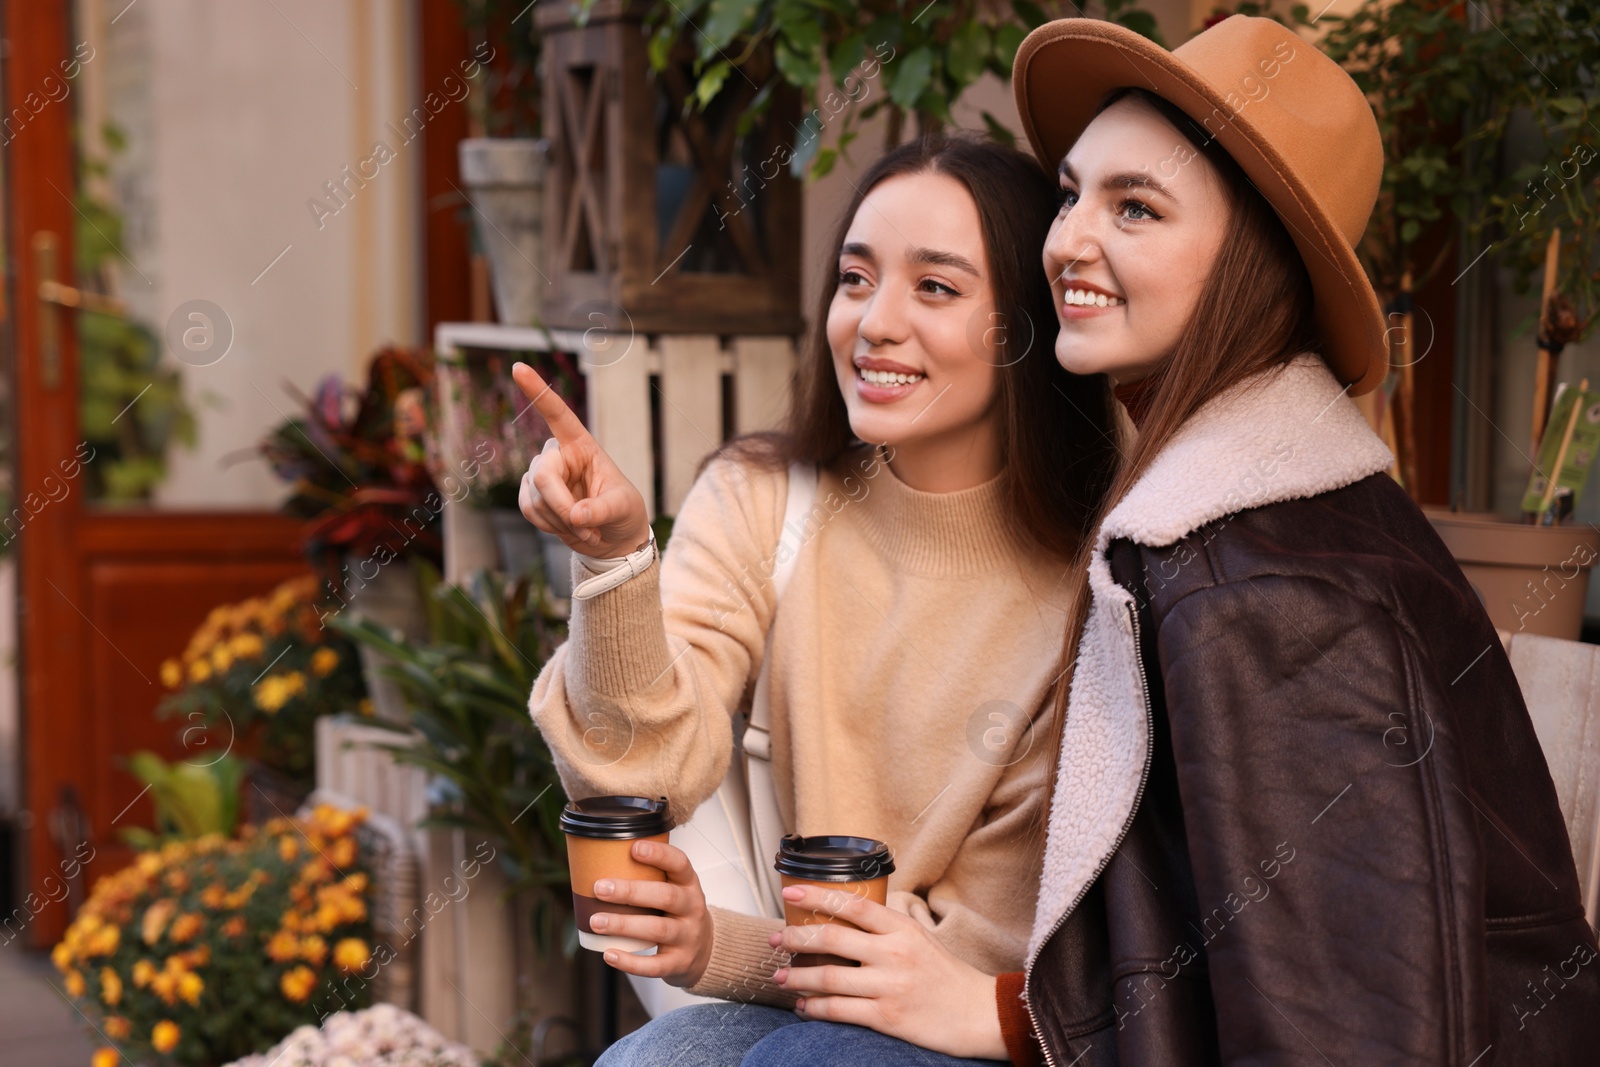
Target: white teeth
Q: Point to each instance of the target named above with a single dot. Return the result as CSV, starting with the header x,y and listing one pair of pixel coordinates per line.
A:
x,y
883,377
1084,298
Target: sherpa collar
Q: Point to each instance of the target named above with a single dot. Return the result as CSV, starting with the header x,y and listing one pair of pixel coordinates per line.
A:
x,y
1283,435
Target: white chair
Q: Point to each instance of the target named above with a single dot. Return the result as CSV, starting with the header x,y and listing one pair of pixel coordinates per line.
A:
x,y
1560,681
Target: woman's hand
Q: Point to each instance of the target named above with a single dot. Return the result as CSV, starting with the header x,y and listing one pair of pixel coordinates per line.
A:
x,y
908,985
684,933
572,488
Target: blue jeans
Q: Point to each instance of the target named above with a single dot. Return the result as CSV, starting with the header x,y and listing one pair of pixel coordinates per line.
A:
x,y
755,1035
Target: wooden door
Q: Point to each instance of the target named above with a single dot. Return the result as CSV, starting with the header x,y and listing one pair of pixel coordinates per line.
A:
x,y
105,595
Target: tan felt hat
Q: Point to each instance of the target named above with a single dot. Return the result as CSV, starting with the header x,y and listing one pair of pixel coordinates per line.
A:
x,y
1287,114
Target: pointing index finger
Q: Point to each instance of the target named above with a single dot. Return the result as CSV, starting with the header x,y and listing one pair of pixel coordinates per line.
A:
x,y
566,426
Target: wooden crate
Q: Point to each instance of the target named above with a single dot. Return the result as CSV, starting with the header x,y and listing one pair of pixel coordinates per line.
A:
x,y
656,207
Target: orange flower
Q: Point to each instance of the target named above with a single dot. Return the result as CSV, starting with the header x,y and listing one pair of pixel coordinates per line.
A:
x,y
199,670
214,895
288,848
283,947
143,972
323,661
297,983
186,927
190,986
110,986
342,853
171,673
156,917
117,1027
351,953
75,983
313,950
105,1057
234,927
164,1038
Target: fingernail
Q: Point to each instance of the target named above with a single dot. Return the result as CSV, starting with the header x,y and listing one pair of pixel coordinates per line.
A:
x,y
643,849
793,892
597,922
611,957
604,888
800,1005
780,974
775,939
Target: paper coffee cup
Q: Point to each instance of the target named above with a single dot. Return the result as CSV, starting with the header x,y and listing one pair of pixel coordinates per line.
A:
x,y
858,865
600,835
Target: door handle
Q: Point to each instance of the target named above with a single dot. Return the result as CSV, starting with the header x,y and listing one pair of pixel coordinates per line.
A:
x,y
54,295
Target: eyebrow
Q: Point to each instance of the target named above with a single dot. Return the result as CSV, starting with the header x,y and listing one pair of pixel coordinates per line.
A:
x,y
1126,180
931,256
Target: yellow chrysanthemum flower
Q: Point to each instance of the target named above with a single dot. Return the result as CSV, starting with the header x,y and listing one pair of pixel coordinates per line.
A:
x,y
313,950
164,1037
297,983
171,674
110,986
118,1027
350,954
323,661
221,658
248,646
190,986
75,983
199,670
143,972
105,1056
282,947
186,927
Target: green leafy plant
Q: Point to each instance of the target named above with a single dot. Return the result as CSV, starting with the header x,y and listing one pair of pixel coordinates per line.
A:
x,y
926,55
506,100
191,799
467,689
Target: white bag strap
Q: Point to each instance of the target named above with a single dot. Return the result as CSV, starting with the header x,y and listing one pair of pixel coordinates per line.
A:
x,y
766,821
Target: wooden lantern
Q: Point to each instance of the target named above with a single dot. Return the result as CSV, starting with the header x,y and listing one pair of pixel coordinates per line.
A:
x,y
661,218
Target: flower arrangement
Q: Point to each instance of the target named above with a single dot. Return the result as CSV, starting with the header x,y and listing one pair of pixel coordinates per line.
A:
x,y
206,950
267,666
356,467
380,1036
483,420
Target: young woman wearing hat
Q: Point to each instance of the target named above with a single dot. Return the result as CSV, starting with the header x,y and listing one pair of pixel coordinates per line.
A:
x,y
1300,813
915,643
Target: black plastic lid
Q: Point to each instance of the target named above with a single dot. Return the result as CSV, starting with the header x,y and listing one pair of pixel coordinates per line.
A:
x,y
616,818
830,858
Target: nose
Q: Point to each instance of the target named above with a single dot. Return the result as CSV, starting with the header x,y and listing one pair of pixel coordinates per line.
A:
x,y
884,320
1069,243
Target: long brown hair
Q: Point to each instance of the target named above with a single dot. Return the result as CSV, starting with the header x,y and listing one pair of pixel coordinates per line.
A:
x,y
1255,313
1056,429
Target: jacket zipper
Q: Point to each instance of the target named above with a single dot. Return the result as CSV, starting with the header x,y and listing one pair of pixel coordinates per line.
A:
x,y
1144,776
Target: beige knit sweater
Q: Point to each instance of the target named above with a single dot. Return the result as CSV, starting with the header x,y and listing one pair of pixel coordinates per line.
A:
x,y
916,638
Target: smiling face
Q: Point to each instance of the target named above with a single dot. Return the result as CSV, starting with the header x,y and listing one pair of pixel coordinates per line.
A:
x,y
1142,218
915,374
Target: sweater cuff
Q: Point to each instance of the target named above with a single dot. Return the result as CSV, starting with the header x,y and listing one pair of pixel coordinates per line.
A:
x,y
1016,1027
742,962
622,640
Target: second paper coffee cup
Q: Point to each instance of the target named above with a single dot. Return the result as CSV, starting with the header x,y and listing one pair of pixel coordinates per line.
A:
x,y
858,865
600,835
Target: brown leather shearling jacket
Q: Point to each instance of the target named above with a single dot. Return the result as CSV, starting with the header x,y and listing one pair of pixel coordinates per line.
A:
x,y
1343,844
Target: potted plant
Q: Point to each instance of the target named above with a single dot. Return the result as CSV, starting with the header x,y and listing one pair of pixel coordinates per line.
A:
x,y
205,950
358,475
262,671
466,690
503,164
